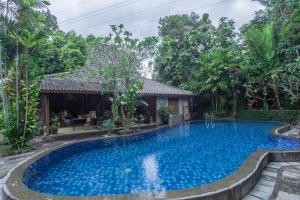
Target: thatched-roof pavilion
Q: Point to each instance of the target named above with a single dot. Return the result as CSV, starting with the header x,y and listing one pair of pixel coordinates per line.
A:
x,y
79,92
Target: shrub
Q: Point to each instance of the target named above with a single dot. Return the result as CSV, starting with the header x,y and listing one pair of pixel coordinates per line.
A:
x,y
221,114
2,125
269,115
108,125
15,133
164,113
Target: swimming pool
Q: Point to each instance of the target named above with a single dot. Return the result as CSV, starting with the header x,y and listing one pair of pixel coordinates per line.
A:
x,y
180,157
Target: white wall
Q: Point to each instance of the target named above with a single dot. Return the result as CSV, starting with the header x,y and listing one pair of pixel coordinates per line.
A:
x,y
160,102
181,105
163,101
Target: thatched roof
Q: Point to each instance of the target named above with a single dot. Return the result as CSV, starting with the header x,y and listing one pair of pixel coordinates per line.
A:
x,y
82,82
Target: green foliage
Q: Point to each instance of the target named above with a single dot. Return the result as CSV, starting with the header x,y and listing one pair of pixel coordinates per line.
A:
x,y
124,105
21,88
221,115
2,122
288,73
202,58
14,131
108,125
53,122
219,69
73,53
7,150
261,63
269,115
118,60
291,29
274,52
164,111
263,55
130,98
183,39
261,45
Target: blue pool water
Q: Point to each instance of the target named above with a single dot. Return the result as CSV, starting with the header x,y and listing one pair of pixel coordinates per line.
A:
x,y
168,159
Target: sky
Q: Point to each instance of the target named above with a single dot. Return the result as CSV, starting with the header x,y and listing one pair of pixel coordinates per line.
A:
x,y
141,16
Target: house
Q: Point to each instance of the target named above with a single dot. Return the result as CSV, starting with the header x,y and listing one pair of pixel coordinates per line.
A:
x,y
79,93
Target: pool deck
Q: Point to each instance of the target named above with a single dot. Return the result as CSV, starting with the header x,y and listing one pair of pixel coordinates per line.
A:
x,y
265,186
262,190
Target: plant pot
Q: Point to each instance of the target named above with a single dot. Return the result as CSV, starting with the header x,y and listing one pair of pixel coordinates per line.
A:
x,y
53,131
123,132
165,119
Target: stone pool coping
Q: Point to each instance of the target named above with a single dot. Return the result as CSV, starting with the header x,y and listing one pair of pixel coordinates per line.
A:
x,y
232,187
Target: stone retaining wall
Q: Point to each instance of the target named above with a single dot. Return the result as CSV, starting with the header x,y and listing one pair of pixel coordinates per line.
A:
x,y
233,187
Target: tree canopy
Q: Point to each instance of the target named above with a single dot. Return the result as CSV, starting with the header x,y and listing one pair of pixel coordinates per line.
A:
x,y
257,66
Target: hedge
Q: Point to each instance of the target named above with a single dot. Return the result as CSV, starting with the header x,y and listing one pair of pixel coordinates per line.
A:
x,y
269,115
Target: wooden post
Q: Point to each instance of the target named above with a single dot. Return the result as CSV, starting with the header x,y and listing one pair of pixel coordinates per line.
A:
x,y
46,111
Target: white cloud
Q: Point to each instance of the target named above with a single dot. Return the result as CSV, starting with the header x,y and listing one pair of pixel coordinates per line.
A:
x,y
144,23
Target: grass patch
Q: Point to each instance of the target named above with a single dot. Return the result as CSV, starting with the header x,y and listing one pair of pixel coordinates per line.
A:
x,y
8,150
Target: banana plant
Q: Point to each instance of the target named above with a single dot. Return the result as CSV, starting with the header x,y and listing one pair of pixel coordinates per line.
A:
x,y
262,47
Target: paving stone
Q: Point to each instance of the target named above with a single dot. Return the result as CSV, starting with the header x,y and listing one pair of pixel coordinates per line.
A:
x,y
274,166
268,178
250,197
1,183
264,188
288,182
271,169
260,194
284,163
266,183
287,196
272,174
293,163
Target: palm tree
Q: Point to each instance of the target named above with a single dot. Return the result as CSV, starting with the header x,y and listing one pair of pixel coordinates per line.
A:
x,y
262,48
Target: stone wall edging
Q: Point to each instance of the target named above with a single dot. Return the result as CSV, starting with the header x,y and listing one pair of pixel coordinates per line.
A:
x,y
232,187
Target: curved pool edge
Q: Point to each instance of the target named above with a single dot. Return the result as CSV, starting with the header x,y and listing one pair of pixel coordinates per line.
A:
x,y
232,187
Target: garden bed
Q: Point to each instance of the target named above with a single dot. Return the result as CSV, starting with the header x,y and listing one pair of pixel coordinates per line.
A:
x,y
8,150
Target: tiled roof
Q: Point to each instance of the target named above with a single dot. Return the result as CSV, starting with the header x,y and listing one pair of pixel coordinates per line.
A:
x,y
83,82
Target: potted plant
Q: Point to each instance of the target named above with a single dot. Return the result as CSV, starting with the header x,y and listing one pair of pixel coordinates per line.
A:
x,y
53,129
164,113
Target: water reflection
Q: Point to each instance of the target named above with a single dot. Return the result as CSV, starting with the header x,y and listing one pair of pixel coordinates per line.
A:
x,y
151,175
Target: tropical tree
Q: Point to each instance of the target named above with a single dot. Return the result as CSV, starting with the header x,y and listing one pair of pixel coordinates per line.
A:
x,y
183,39
220,73
287,73
21,117
118,59
264,60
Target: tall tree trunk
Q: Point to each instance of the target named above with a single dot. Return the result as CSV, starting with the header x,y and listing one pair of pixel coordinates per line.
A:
x,y
276,93
235,98
265,97
216,101
123,117
26,100
17,85
4,71
2,90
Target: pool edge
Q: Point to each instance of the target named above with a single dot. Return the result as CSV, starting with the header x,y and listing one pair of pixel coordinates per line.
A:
x,y
232,187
